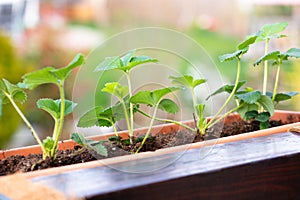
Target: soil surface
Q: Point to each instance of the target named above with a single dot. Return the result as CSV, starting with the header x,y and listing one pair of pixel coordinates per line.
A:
x,y
31,162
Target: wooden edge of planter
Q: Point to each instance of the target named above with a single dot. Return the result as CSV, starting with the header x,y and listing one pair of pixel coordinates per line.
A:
x,y
164,128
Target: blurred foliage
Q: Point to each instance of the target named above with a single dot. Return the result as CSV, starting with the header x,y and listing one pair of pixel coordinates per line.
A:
x,y
276,10
11,68
292,75
217,44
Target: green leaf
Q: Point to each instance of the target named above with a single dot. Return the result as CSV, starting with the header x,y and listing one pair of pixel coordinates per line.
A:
x,y
245,44
39,77
251,114
104,117
270,31
143,97
96,117
231,56
160,93
99,148
249,97
116,89
124,63
169,106
48,144
263,117
267,104
138,60
293,52
270,56
17,93
20,96
264,125
9,86
109,63
127,58
117,110
186,81
115,138
50,74
246,108
284,96
226,88
78,138
64,73
69,106
53,107
151,98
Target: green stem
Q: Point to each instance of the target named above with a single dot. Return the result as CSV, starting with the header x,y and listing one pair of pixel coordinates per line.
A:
x,y
230,96
167,120
194,102
266,68
130,128
276,82
127,120
149,128
56,123
34,134
225,115
115,130
61,119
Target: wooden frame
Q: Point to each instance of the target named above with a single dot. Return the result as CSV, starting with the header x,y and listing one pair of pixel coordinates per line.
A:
x,y
256,168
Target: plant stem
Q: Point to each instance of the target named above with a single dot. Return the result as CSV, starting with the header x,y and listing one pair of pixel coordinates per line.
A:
x,y
61,119
149,128
127,120
130,128
167,120
115,130
229,98
194,102
266,68
56,123
34,134
225,115
276,82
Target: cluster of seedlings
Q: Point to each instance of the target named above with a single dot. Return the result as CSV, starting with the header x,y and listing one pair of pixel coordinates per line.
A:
x,y
251,104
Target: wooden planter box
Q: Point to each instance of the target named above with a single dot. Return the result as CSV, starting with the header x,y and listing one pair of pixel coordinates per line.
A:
x,y
252,165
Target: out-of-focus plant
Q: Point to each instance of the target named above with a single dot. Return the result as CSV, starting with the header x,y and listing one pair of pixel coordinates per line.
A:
x,y
11,68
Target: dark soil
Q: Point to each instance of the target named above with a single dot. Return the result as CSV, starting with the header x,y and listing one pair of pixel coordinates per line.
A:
x,y
31,162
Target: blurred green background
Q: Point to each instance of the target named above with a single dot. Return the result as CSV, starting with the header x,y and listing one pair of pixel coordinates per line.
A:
x,y
39,33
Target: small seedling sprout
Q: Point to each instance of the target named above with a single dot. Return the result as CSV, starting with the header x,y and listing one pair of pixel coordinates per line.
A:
x,y
58,109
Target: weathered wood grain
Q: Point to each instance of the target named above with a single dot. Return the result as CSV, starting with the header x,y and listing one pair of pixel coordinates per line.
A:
x,y
259,168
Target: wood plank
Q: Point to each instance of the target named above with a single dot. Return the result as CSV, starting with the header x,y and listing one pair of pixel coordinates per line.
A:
x,y
257,168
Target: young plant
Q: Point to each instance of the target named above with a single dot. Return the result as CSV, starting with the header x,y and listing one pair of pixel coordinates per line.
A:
x,y
97,146
155,99
266,33
249,104
278,59
129,103
241,50
188,82
58,109
125,64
